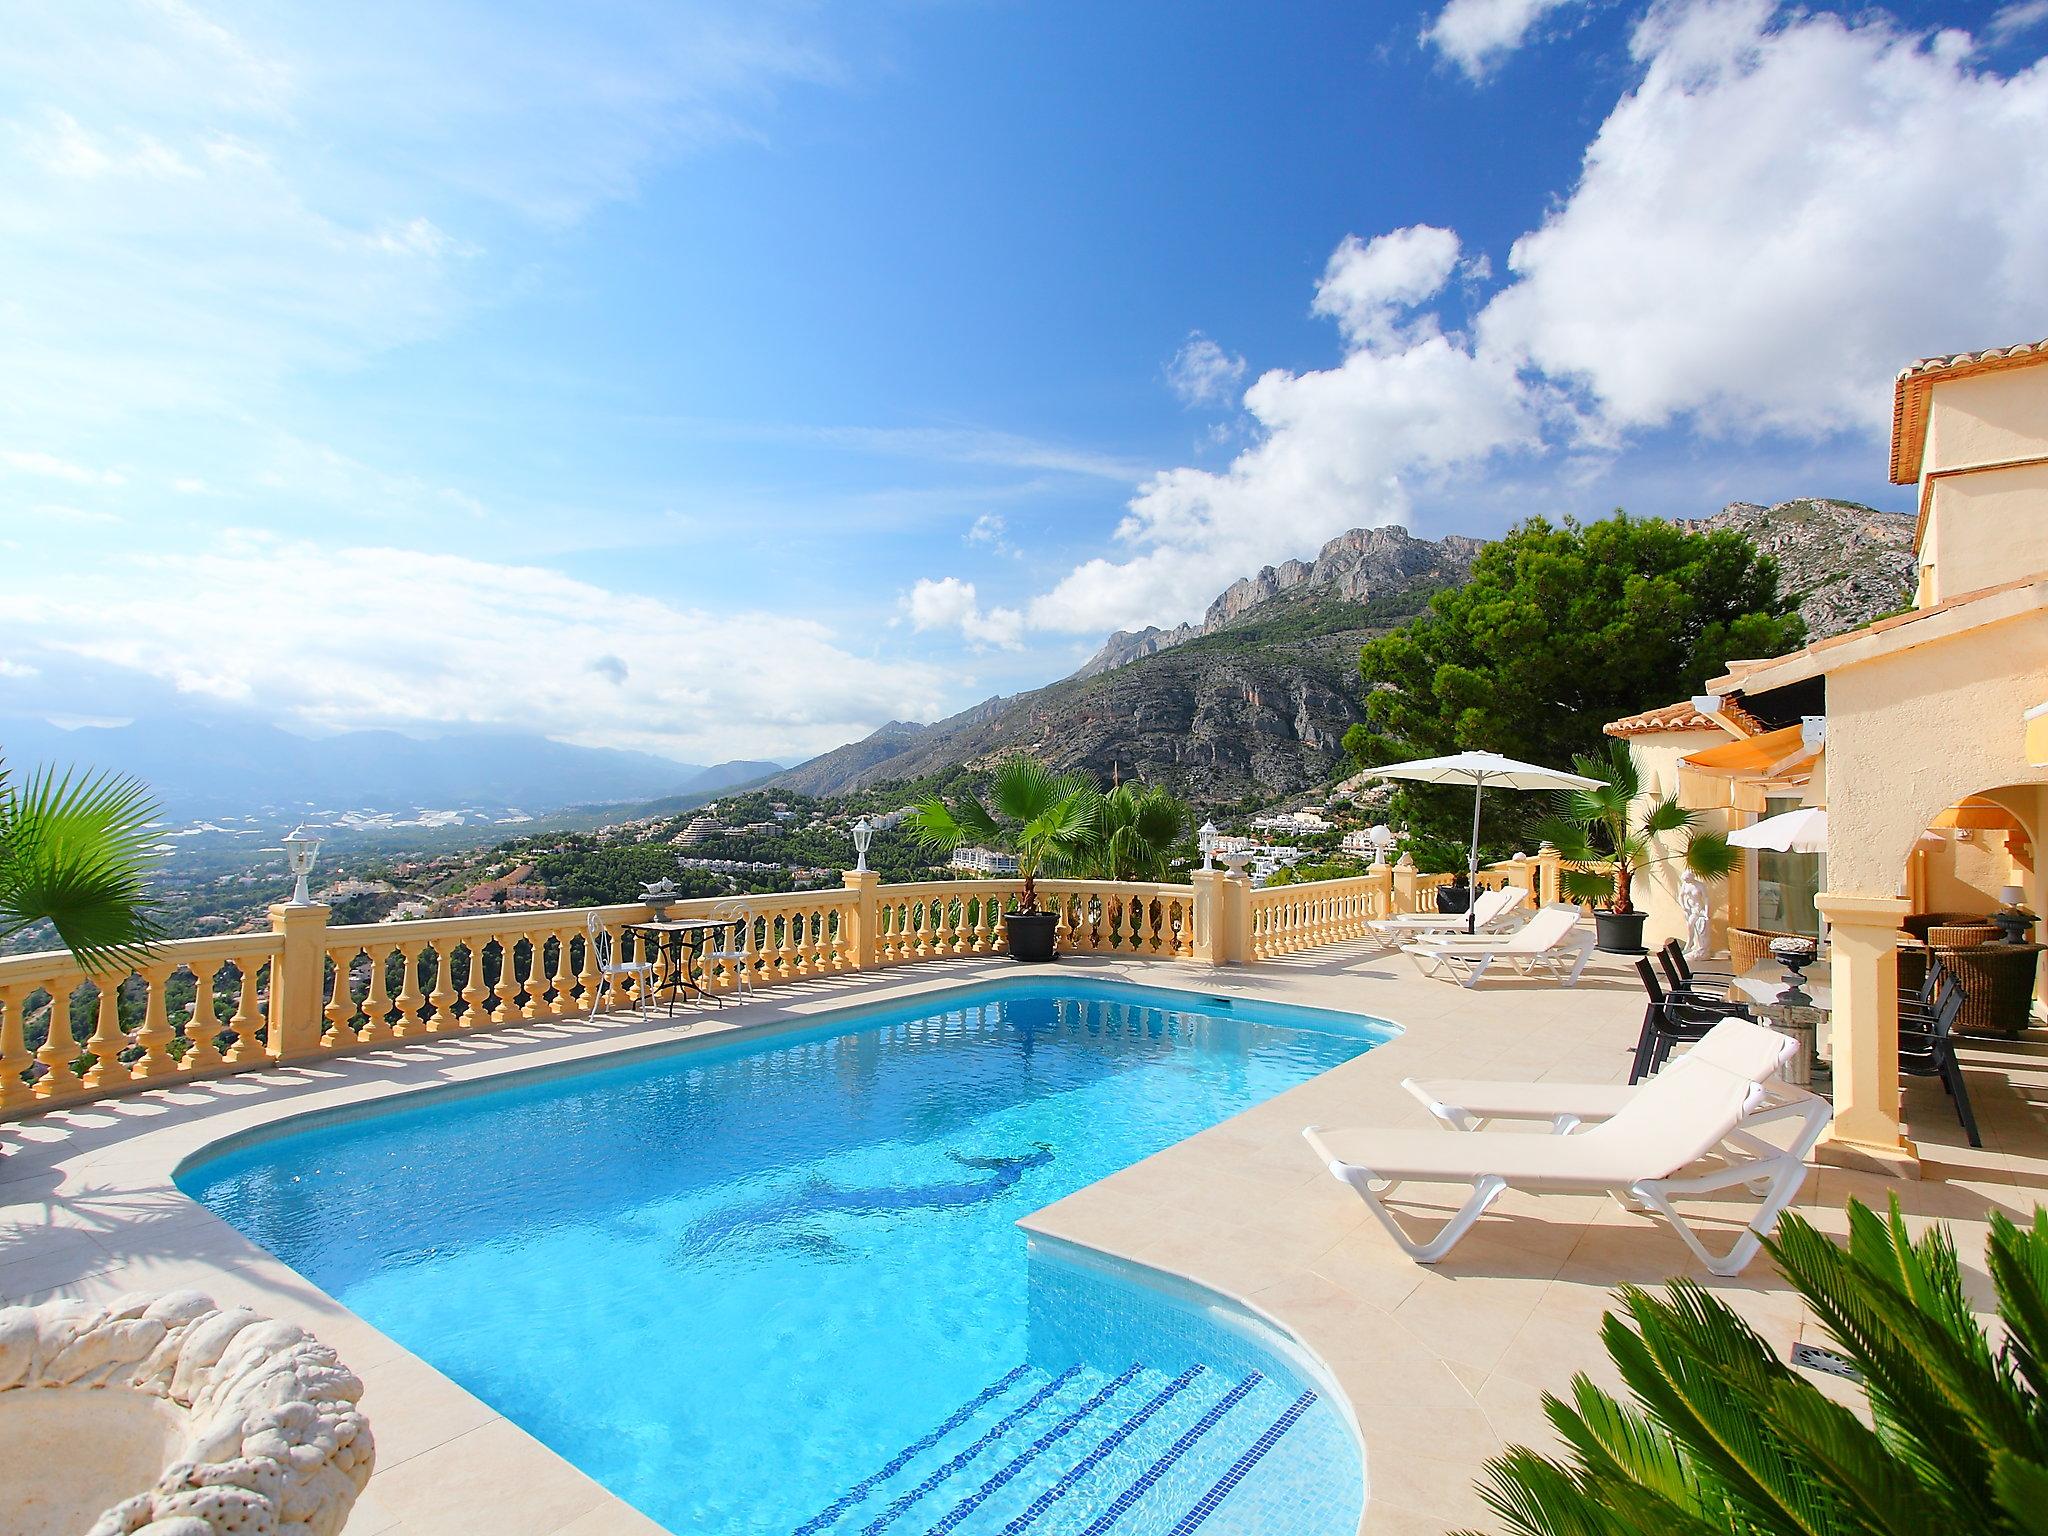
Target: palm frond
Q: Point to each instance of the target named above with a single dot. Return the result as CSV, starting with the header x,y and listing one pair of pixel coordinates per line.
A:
x,y
2018,1260
75,851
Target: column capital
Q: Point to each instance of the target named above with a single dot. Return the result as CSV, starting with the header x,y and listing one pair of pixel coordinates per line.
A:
x,y
1846,911
284,915
861,879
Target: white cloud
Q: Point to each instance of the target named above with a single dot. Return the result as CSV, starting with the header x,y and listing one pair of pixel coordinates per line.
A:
x,y
1202,373
339,637
1786,210
949,603
1779,217
1476,35
990,532
33,461
2011,20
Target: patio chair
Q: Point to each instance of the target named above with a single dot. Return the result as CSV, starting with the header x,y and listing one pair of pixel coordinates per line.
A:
x,y
1549,944
1466,1104
1493,910
1927,1048
1707,986
1642,1151
1672,1020
735,942
612,971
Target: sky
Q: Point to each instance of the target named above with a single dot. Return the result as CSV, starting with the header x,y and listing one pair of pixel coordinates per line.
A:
x,y
722,380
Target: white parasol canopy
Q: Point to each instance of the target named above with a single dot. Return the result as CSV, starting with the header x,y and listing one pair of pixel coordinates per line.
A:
x,y
1483,771
1800,831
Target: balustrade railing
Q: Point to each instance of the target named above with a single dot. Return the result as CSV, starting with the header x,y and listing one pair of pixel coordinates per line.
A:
x,y
195,1008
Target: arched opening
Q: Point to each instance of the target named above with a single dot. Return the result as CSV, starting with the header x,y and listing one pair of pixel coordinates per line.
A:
x,y
1974,882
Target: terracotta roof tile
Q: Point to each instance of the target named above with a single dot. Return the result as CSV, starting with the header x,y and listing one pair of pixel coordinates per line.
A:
x,y
1680,717
1916,380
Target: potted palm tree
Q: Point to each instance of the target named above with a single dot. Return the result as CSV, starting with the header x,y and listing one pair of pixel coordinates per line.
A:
x,y
1046,819
74,852
1610,823
1136,832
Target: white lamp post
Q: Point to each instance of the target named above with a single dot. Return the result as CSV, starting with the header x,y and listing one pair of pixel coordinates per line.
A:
x,y
863,835
299,849
1207,837
1382,838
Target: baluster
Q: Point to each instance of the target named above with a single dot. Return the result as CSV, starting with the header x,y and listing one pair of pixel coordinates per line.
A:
x,y
108,1040
15,1091
202,1053
505,990
557,980
155,1033
587,978
535,1005
409,1024
341,1002
473,990
59,1048
441,1000
243,1046
376,1000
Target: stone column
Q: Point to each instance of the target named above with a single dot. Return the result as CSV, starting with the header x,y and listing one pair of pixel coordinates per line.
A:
x,y
860,940
1404,885
1549,876
298,979
1518,873
1864,978
1381,888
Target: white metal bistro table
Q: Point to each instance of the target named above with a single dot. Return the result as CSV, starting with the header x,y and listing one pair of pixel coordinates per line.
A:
x,y
682,940
1803,1011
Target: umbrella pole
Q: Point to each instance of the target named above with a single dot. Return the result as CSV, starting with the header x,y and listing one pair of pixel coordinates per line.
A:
x,y
1472,863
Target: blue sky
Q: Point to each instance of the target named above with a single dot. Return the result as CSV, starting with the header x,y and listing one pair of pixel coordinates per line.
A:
x,y
723,380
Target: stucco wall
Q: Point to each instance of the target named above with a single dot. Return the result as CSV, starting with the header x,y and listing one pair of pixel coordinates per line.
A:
x,y
1989,419
1985,528
1657,758
1913,732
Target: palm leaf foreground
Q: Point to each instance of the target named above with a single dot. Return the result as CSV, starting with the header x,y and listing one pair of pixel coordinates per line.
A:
x,y
1722,1439
74,852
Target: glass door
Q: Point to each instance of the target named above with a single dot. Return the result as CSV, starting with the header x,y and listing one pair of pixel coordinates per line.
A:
x,y
1785,884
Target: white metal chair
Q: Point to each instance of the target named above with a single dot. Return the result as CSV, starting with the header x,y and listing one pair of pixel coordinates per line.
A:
x,y
734,944
611,970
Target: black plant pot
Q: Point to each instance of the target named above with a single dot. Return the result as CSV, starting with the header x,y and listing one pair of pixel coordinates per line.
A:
x,y
1031,934
1453,898
1619,933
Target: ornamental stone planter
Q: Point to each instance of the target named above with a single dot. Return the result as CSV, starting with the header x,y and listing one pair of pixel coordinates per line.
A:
x,y
169,1416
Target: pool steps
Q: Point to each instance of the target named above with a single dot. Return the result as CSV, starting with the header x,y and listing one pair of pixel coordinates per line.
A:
x,y
1080,1453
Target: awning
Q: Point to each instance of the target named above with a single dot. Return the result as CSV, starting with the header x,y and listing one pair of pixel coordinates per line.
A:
x,y
1775,752
1976,814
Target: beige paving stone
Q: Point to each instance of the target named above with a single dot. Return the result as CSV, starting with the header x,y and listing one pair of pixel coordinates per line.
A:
x,y
496,1467
414,1409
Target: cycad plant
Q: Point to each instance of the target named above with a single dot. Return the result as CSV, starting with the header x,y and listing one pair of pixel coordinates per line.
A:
x,y
1046,819
1605,823
74,852
1721,1438
1136,832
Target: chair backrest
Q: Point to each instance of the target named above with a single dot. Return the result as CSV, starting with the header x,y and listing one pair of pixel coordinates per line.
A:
x,y
1545,929
1492,906
1651,985
1745,1049
741,916
1672,958
1676,1118
600,942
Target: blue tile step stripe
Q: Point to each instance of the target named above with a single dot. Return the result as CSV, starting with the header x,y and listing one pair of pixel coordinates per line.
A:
x,y
1075,1475
1121,1506
1205,1506
909,1453
959,1461
1029,1454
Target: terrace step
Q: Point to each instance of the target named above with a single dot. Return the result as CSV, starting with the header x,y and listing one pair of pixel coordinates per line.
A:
x,y
1080,1452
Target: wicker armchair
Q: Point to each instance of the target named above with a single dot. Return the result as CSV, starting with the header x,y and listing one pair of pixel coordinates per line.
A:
x,y
1998,986
1752,946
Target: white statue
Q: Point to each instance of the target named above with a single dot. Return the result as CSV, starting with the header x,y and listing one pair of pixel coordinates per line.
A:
x,y
1692,900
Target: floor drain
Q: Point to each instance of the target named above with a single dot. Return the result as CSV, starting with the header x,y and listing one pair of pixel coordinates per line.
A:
x,y
1826,1361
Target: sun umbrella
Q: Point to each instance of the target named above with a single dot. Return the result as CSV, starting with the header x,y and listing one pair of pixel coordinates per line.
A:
x,y
1801,831
1483,771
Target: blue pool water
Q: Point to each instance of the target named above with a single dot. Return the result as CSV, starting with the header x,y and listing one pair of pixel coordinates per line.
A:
x,y
775,1285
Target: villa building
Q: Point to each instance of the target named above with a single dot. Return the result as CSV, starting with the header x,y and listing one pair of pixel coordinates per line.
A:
x,y
982,861
1924,735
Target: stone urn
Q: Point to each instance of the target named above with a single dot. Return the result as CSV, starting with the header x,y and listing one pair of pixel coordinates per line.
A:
x,y
165,1415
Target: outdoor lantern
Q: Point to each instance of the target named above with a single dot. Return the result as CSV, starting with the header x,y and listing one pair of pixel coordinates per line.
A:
x,y
1382,838
299,849
863,835
1208,836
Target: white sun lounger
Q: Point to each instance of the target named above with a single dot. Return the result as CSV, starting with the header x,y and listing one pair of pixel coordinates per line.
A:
x,y
1466,1104
1643,1151
1489,911
1549,944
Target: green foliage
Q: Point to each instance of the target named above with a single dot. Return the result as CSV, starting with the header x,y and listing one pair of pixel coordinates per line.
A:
x,y
74,852
1137,833
1607,823
1723,1439
1560,630
1047,819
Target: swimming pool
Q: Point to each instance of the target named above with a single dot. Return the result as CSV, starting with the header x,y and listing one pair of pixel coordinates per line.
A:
x,y
774,1284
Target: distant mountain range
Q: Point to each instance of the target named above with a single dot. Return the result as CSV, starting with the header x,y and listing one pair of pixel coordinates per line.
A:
x,y
1253,702
208,764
